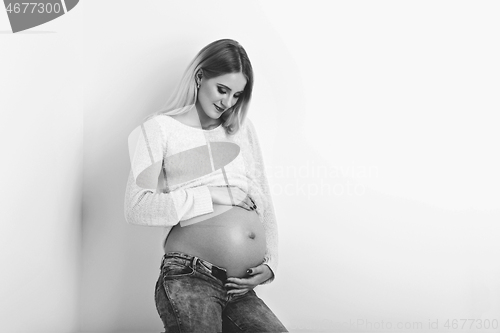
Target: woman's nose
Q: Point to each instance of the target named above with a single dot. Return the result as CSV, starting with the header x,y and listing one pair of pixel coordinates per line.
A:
x,y
227,102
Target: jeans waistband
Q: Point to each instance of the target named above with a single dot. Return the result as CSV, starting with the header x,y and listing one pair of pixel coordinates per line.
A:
x,y
215,271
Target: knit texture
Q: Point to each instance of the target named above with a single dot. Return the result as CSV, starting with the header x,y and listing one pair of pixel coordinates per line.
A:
x,y
162,194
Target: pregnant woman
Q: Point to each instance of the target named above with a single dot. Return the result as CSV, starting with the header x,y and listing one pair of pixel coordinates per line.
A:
x,y
197,171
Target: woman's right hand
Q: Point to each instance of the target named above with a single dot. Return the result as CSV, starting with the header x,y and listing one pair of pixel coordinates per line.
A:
x,y
221,196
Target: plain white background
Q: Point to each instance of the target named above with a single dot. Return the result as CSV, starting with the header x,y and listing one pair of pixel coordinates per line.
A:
x,y
379,127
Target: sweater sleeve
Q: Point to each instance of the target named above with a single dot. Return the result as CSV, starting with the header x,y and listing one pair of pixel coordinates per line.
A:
x,y
265,208
145,201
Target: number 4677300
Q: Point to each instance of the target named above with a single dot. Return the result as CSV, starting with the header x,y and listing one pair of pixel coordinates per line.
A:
x,y
471,323
39,7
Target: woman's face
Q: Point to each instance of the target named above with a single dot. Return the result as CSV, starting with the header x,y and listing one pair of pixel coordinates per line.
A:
x,y
218,94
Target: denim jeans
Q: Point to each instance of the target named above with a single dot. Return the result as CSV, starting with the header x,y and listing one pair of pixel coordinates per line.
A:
x,y
190,296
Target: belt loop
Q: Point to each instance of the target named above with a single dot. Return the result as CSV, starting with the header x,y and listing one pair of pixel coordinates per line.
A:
x,y
193,262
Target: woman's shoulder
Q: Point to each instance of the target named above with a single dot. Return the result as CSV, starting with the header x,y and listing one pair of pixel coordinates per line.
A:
x,y
163,120
168,114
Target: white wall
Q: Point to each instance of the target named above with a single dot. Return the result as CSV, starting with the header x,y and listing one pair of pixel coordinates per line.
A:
x,y
377,120
41,118
402,97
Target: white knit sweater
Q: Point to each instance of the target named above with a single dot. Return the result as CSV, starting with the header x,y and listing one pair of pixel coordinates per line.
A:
x,y
184,194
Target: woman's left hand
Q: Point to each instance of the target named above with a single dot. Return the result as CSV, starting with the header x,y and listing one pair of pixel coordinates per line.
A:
x,y
257,275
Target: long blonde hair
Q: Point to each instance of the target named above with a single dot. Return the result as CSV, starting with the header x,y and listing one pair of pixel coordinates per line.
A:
x,y
221,57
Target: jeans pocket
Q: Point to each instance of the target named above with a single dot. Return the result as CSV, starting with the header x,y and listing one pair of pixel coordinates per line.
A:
x,y
177,270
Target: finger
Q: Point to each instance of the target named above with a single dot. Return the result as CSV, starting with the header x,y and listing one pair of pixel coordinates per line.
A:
x,y
234,280
236,286
234,283
245,199
250,198
252,205
256,270
238,292
240,281
245,282
244,204
249,202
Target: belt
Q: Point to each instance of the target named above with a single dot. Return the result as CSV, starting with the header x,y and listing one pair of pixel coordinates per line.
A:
x,y
215,271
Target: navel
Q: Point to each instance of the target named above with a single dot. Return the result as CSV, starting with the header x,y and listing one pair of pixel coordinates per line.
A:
x,y
251,234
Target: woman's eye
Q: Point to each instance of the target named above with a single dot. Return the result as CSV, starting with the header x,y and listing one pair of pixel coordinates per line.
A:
x,y
223,92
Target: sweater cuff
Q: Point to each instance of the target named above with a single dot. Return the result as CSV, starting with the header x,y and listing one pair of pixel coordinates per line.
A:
x,y
272,268
202,200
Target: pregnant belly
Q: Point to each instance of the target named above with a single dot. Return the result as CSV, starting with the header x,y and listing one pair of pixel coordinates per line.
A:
x,y
234,240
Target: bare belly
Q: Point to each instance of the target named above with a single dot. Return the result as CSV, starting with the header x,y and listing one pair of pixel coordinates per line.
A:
x,y
234,240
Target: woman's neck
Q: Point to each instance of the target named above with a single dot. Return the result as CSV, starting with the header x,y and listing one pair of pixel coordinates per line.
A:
x,y
205,121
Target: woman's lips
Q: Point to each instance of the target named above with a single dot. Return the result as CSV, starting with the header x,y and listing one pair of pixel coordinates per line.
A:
x,y
218,109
